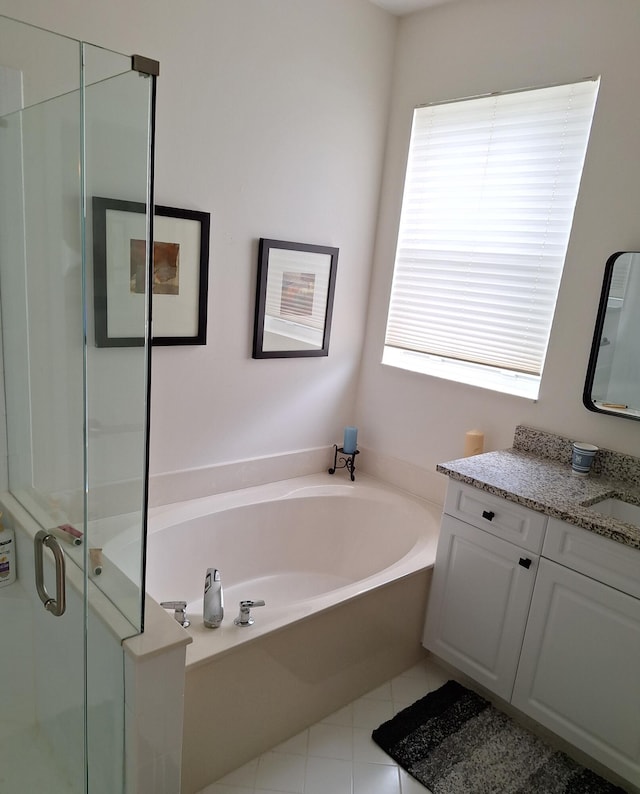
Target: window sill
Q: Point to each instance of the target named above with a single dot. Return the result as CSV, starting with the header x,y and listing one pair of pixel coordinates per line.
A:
x,y
514,383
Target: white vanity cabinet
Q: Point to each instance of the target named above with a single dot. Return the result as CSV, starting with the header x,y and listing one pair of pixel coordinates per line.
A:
x,y
482,584
579,670
559,639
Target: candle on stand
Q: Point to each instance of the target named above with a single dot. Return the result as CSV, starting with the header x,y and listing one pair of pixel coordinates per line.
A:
x,y
350,443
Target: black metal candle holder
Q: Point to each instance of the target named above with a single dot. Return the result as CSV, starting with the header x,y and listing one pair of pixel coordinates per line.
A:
x,y
347,461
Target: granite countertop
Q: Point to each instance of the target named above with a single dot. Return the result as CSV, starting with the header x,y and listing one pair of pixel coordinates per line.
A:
x,y
536,472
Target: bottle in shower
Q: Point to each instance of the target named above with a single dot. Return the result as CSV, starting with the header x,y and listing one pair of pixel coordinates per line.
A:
x,y
213,610
7,555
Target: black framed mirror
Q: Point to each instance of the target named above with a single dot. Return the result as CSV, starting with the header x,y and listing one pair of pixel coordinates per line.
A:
x,y
294,299
612,385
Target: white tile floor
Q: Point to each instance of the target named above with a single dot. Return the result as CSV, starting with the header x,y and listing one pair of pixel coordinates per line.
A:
x,y
337,754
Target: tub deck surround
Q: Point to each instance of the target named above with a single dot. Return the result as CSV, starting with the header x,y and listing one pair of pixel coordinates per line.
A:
x,y
536,472
180,486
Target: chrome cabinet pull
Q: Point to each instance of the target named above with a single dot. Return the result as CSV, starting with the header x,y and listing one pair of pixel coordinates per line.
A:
x,y
58,604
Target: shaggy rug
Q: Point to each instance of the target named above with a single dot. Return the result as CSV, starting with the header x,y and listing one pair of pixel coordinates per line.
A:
x,y
455,742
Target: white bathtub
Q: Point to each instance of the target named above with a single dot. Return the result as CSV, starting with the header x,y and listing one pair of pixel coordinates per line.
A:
x,y
344,570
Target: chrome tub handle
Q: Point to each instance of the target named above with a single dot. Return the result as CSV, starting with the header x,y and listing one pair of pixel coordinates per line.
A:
x,y
179,611
58,604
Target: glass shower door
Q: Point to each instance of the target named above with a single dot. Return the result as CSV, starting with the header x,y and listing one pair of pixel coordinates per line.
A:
x,y
40,256
118,121
75,123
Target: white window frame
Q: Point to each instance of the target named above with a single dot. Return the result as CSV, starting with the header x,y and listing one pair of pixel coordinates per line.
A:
x,y
489,197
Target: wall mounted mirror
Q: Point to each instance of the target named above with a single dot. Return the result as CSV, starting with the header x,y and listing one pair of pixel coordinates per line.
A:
x,y
613,377
294,299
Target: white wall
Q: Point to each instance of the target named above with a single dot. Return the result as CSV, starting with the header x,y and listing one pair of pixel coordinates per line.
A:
x,y
272,116
469,48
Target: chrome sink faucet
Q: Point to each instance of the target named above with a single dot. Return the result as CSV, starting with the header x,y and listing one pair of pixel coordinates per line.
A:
x,y
213,610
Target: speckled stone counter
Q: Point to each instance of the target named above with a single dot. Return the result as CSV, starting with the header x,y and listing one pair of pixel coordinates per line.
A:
x,y
536,472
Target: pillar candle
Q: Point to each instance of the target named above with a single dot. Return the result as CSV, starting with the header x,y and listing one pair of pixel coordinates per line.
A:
x,y
350,443
473,443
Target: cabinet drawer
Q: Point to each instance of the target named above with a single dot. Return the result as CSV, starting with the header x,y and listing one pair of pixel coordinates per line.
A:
x,y
600,558
506,520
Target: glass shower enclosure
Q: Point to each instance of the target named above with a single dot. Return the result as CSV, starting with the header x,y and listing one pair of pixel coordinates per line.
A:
x,y
76,126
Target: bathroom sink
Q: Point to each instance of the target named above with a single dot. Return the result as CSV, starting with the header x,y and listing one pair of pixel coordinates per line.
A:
x,y
618,508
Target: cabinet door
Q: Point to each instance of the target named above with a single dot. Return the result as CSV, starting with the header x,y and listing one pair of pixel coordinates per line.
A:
x,y
579,671
478,604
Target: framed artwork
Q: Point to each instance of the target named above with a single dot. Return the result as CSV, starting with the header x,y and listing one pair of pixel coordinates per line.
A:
x,y
294,299
180,274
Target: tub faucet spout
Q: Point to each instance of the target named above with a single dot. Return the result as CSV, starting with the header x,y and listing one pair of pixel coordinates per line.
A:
x,y
213,611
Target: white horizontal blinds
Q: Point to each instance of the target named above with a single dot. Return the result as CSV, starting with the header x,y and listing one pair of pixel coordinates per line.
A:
x,y
489,197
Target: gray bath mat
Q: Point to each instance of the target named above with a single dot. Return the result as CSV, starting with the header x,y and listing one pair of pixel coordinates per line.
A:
x,y
455,742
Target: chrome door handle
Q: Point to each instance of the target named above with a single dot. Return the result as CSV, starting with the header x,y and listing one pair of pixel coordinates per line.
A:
x,y
58,604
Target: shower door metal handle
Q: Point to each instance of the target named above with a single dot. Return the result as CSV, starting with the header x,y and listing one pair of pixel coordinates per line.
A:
x,y
58,604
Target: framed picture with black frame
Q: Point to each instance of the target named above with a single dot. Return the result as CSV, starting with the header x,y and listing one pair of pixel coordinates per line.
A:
x,y
294,299
180,274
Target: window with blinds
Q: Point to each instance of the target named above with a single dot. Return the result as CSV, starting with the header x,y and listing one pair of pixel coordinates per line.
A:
x,y
489,197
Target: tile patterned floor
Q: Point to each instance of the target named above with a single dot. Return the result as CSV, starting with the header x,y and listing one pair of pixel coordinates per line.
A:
x,y
337,754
